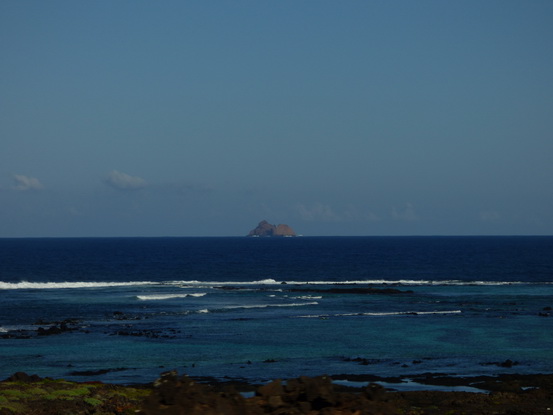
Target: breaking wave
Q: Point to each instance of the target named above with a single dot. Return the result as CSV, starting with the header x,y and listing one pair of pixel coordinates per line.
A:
x,y
308,297
396,313
196,283
264,283
405,282
234,307
25,285
154,297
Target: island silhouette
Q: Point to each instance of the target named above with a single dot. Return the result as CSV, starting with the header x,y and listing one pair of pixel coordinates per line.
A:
x,y
264,228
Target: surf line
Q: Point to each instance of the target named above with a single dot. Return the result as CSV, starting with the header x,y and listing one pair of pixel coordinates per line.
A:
x,y
382,314
25,285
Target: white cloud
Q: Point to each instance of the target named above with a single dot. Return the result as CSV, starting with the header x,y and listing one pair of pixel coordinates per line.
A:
x,y
405,213
26,183
123,181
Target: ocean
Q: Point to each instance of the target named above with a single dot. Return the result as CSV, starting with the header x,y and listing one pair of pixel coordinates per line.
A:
x,y
123,310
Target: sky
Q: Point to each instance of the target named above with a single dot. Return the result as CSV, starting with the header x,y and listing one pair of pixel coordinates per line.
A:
x,y
202,118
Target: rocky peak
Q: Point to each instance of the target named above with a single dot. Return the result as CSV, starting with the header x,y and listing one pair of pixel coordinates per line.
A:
x,y
264,228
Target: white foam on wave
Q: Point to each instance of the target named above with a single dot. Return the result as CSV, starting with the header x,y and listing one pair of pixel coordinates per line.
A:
x,y
402,313
25,285
195,283
413,282
234,307
380,314
153,297
264,282
271,281
308,297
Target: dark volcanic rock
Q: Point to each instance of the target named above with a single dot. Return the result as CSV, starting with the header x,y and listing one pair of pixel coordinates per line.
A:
x,y
148,333
96,372
23,377
57,327
17,334
363,361
510,394
264,228
181,395
507,363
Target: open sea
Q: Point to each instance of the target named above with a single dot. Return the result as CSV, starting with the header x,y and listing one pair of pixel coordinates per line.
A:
x,y
124,310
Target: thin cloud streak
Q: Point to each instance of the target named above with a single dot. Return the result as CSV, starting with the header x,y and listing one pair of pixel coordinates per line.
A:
x,y
123,181
26,183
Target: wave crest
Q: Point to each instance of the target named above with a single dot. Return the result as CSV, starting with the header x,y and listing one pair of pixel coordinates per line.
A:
x,y
234,307
405,282
153,297
379,314
25,285
269,281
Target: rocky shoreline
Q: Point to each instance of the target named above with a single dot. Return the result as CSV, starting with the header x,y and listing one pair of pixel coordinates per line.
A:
x,y
326,395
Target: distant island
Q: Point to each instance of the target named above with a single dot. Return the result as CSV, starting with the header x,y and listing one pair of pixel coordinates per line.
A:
x,y
266,229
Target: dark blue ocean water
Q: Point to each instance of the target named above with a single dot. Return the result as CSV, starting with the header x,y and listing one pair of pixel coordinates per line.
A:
x,y
259,308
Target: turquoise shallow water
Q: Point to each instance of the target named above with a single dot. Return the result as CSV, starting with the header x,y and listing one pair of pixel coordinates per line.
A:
x,y
228,307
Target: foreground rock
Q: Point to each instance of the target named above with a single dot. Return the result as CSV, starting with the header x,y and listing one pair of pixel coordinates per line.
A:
x,y
29,394
180,395
264,228
319,396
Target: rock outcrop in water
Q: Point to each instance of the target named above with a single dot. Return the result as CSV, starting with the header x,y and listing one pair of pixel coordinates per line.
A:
x,y
264,228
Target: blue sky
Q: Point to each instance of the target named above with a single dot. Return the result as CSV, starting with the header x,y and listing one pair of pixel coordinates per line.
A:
x,y
201,118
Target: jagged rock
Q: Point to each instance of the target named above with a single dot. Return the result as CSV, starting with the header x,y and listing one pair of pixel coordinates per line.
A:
x,y
95,372
264,228
174,395
507,363
55,329
273,388
181,395
23,377
375,392
284,230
